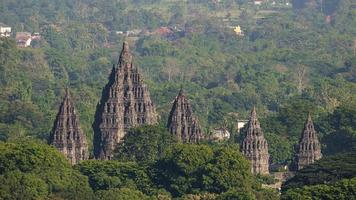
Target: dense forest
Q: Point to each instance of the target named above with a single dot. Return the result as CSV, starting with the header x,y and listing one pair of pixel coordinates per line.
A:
x,y
292,59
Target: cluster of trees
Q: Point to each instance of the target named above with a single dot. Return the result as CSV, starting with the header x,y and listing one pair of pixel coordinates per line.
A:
x,y
332,177
33,170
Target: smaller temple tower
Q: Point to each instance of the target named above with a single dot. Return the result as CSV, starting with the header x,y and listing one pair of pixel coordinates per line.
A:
x,y
254,146
181,121
67,136
309,147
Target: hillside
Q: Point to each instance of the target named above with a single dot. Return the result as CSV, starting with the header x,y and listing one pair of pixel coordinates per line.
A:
x,y
292,59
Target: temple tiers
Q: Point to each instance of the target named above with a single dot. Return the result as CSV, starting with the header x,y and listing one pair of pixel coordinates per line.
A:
x,y
182,123
125,103
309,147
67,136
254,146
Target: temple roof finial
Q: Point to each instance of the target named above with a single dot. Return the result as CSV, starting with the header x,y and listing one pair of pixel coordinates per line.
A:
x,y
253,114
125,59
181,91
66,93
309,119
125,46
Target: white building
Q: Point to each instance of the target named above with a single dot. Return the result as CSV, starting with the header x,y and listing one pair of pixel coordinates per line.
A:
x,y
5,31
23,39
241,124
258,2
220,134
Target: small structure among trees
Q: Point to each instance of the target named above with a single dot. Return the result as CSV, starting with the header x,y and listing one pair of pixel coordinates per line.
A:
x,y
5,31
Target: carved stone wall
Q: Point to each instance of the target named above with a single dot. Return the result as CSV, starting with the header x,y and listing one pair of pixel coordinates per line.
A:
x,y
125,103
254,146
67,136
182,123
309,147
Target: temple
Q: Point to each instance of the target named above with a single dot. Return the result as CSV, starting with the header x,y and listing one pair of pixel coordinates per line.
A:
x,y
67,136
182,123
309,147
254,146
125,103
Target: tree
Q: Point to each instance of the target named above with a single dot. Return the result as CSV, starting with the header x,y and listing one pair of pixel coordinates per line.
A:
x,y
120,194
280,148
301,78
329,169
193,169
18,185
179,171
343,190
106,175
236,195
227,169
294,113
32,170
343,135
144,144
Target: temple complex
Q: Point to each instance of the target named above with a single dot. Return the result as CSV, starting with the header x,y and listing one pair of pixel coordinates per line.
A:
x,y
254,146
67,136
309,147
125,103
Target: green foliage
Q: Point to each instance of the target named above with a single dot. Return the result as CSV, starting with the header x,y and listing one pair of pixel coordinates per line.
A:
x,y
105,175
204,196
342,137
190,169
18,185
266,179
227,169
327,170
238,195
294,114
280,148
34,170
179,171
343,190
267,194
144,144
120,194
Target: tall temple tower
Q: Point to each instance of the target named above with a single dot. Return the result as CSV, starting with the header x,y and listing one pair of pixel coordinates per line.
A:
x,y
309,147
181,121
254,146
67,136
125,103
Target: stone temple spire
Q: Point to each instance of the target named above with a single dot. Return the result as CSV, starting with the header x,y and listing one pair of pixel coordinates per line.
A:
x,y
67,136
181,121
309,147
125,59
125,103
254,146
